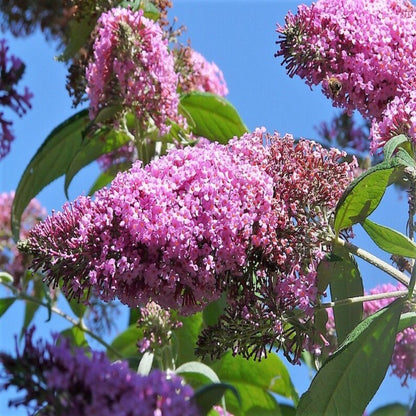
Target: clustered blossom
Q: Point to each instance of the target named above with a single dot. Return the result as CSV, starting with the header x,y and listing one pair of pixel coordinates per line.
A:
x,y
308,180
362,54
133,67
197,74
58,381
156,325
245,218
11,260
11,69
173,231
403,361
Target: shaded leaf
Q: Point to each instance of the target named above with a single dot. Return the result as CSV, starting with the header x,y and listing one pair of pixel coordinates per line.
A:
x,y
211,394
49,163
214,310
212,116
339,388
407,320
390,240
91,149
346,283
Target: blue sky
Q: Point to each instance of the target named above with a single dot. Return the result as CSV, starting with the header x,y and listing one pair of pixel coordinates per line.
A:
x,y
240,37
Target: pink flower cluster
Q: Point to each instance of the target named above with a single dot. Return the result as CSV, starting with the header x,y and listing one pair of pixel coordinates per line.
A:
x,y
11,69
362,53
308,181
403,361
173,231
61,382
201,75
11,260
133,67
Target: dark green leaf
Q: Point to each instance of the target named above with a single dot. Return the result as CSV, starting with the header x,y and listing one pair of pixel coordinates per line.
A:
x,y
101,143
340,388
5,304
390,240
209,395
287,410
394,409
393,144
77,307
346,282
255,381
363,195
212,116
80,31
185,338
214,310
49,163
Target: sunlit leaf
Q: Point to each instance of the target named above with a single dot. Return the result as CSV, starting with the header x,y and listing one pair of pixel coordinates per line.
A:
x,y
212,116
390,240
5,304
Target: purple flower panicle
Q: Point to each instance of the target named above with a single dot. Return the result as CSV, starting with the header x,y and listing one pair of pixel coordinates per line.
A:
x,y
12,70
60,381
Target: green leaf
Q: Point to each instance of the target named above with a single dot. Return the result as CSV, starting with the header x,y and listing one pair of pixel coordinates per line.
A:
x,y
212,116
405,159
340,387
363,195
396,409
198,368
101,143
390,240
393,144
76,336
407,320
126,344
186,336
255,381
77,307
49,163
346,282
5,304
211,394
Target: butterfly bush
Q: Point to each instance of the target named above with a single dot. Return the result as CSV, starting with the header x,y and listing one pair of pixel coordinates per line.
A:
x,y
403,361
58,380
133,67
12,69
308,180
11,260
362,54
173,231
